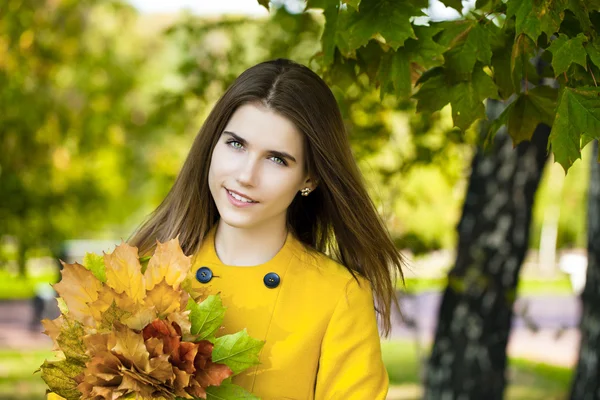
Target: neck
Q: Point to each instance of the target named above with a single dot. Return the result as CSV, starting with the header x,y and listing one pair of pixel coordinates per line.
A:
x,y
248,246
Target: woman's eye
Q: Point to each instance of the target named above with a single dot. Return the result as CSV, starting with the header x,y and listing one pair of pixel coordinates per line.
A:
x,y
279,160
235,144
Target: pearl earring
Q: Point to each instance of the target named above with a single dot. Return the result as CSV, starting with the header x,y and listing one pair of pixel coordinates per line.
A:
x,y
305,191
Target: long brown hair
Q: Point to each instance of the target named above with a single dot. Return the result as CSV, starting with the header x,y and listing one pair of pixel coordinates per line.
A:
x,y
338,218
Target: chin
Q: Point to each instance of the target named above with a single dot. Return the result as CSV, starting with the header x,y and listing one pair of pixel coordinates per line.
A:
x,y
237,221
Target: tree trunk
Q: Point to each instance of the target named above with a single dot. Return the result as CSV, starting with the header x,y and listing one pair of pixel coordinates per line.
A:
x,y
468,358
586,382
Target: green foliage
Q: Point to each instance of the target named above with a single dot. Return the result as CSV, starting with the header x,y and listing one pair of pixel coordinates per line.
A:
x,y
238,351
68,115
95,263
228,391
490,52
206,317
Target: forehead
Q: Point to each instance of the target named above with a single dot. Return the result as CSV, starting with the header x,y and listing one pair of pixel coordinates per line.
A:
x,y
266,129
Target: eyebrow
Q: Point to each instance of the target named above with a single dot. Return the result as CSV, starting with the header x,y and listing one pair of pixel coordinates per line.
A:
x,y
280,154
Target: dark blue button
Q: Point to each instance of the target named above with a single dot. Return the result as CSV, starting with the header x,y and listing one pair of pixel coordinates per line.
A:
x,y
271,280
204,275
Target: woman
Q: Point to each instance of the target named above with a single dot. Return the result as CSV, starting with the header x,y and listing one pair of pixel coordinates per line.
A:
x,y
268,189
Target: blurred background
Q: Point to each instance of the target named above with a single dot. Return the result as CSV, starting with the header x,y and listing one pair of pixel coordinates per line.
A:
x,y
100,102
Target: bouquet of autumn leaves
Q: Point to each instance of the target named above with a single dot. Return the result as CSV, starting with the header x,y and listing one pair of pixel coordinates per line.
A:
x,y
133,328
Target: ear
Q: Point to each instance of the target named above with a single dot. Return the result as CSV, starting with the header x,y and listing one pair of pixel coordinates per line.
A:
x,y
309,183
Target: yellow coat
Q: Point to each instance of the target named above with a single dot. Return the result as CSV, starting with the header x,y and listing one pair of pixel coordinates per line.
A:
x,y
319,325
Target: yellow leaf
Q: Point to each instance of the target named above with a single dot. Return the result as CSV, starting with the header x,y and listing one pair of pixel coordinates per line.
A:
x,y
131,346
78,287
164,298
140,319
123,272
168,262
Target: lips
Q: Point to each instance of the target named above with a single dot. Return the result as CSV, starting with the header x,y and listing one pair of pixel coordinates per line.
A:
x,y
241,195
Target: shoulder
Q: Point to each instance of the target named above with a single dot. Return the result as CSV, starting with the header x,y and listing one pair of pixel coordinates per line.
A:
x,y
326,275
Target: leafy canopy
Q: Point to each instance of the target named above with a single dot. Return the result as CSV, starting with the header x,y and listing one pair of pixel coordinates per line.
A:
x,y
498,49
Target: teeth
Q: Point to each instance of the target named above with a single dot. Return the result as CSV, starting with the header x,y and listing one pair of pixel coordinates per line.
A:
x,y
240,198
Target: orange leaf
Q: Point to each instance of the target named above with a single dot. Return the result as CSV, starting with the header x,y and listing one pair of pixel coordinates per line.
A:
x,y
78,287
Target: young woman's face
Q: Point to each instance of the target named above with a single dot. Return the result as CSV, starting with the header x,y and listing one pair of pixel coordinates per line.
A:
x,y
260,157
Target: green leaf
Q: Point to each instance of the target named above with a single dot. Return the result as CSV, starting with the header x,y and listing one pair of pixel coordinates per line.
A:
x,y
324,4
95,264
390,19
578,114
394,74
501,60
534,17
566,51
456,4
352,3
328,39
466,98
593,50
523,51
524,114
238,351
60,377
264,3
206,317
580,9
228,391
70,341
424,50
473,44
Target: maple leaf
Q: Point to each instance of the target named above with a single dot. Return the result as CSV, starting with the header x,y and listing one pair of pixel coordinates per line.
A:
x,y
390,19
536,17
578,114
238,351
228,391
123,272
466,97
164,298
78,287
131,346
524,114
95,264
567,51
168,263
52,329
206,317
61,377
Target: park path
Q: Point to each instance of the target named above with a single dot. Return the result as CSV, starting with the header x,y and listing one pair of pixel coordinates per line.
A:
x,y
556,340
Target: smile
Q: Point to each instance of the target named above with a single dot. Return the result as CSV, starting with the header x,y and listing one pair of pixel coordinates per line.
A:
x,y
240,198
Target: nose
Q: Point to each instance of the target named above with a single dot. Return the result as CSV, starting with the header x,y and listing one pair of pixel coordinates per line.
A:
x,y
248,172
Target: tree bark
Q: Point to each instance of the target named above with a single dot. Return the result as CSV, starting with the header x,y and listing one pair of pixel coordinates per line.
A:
x,y
468,358
586,381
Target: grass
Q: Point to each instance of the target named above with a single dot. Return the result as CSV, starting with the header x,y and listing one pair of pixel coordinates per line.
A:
x,y
529,380
527,286
17,380
15,288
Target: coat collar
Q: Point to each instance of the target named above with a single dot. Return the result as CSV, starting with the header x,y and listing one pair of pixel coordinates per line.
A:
x,y
207,255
